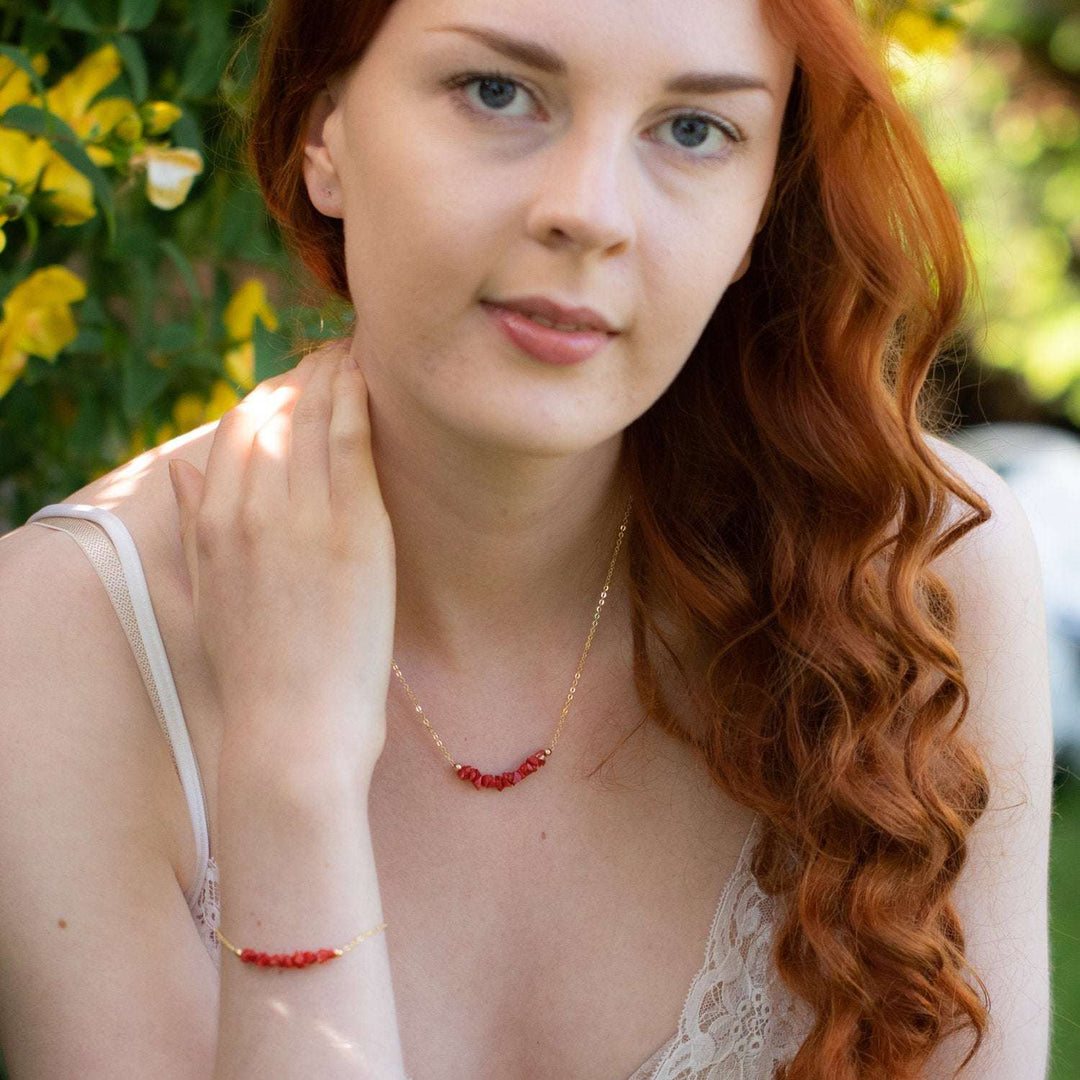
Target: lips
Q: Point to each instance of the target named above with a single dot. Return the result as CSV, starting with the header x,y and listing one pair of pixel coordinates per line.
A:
x,y
542,343
555,312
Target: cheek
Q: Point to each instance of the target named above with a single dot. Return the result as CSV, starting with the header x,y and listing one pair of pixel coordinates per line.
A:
x,y
683,285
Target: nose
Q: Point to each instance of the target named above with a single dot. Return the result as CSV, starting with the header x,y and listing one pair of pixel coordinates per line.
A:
x,y
581,195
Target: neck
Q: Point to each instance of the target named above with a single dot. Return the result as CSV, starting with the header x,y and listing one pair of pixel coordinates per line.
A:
x,y
500,558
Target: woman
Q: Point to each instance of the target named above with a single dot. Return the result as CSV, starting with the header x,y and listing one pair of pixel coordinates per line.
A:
x,y
377,573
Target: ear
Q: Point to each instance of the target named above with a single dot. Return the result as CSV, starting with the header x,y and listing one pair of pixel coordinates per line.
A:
x,y
320,174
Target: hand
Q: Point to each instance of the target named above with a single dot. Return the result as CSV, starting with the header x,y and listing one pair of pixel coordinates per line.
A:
x,y
290,554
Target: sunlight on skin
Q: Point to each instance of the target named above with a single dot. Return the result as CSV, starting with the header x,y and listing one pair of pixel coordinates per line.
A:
x,y
260,405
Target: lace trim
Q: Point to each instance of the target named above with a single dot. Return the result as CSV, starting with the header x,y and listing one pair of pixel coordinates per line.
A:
x,y
739,1021
206,911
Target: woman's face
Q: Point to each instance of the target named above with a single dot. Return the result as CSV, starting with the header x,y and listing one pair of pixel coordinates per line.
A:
x,y
594,186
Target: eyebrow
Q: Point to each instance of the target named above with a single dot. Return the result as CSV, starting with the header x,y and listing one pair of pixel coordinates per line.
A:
x,y
545,59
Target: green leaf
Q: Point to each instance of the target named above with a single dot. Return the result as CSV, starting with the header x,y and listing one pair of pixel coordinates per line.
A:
x,y
65,142
137,14
206,61
184,269
83,438
174,337
271,353
134,63
90,339
71,15
140,385
206,358
20,59
76,157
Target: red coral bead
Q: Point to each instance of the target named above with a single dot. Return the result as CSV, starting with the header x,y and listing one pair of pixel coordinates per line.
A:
x,y
298,959
310,958
262,959
247,955
517,777
325,954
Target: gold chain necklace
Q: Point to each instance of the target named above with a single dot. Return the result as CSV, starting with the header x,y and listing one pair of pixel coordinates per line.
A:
x,y
533,761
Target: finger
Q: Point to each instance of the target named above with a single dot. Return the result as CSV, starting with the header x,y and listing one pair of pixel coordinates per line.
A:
x,y
229,451
308,450
231,447
266,483
352,468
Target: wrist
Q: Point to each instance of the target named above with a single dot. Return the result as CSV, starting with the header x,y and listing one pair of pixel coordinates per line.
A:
x,y
308,776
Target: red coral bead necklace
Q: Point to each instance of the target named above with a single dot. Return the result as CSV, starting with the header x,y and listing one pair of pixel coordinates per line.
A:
x,y
537,760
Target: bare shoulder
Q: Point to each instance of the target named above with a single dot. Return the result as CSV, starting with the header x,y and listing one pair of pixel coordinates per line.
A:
x,y
995,577
51,592
89,883
140,495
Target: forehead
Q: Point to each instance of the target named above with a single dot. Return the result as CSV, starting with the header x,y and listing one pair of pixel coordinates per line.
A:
x,y
641,39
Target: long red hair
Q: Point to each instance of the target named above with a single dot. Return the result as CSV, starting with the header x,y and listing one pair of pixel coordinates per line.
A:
x,y
787,508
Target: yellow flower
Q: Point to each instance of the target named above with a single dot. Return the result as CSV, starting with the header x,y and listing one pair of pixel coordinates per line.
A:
x,y
164,433
112,114
71,194
240,364
222,398
188,411
99,155
919,31
70,98
170,172
38,320
159,116
26,160
22,157
15,83
248,303
6,187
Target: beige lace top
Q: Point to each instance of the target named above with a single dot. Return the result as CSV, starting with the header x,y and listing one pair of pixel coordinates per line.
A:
x,y
738,1021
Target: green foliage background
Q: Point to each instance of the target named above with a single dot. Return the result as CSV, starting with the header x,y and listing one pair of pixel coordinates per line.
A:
x,y
995,83
150,330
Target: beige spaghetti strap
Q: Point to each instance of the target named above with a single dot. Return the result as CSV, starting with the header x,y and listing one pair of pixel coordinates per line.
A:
x,y
110,548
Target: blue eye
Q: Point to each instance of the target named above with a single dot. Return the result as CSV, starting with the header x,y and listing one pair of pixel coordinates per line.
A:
x,y
691,124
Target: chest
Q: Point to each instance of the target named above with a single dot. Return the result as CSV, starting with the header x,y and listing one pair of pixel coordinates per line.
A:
x,y
559,923
550,930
